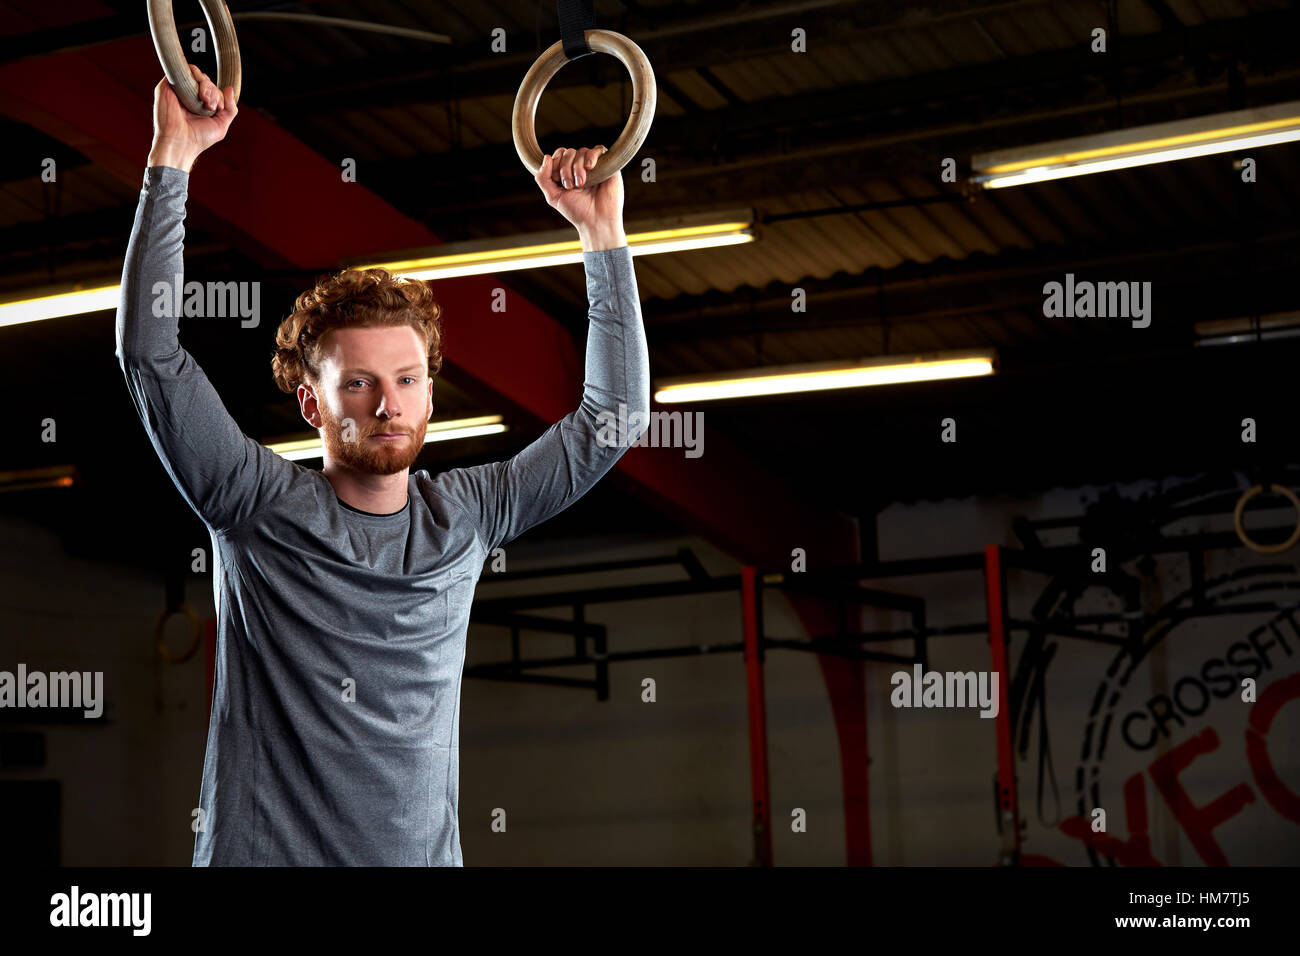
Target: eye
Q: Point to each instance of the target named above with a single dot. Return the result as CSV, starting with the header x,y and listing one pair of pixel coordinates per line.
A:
x,y
357,382
409,379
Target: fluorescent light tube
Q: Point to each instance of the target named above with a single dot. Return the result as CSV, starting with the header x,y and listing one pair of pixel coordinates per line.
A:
x,y
474,257
557,247
1274,325
29,479
1139,146
303,448
75,302
820,376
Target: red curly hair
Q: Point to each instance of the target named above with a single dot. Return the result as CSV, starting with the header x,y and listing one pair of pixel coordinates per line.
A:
x,y
352,298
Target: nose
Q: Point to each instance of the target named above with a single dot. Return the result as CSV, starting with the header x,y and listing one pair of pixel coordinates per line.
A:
x,y
388,406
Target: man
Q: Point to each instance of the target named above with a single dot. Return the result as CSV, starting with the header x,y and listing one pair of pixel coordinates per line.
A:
x,y
343,595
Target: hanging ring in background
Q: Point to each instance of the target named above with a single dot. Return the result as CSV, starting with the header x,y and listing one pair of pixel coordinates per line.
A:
x,y
196,635
1239,513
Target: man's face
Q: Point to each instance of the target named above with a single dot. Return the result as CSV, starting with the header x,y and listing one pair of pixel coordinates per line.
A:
x,y
373,399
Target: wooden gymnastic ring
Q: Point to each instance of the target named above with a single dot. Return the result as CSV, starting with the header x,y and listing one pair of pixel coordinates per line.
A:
x,y
162,24
638,120
1239,523
196,636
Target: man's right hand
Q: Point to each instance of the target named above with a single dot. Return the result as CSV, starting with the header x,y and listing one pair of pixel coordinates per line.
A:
x,y
179,135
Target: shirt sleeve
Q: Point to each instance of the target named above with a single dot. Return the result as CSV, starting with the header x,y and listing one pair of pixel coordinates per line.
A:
x,y
223,474
509,497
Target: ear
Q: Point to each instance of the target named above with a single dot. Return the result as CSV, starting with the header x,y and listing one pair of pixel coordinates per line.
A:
x,y
430,399
309,406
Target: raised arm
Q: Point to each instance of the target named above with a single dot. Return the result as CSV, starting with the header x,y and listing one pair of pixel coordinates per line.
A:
x,y
509,497
222,473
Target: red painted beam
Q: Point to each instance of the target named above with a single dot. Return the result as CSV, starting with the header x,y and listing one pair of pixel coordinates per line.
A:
x,y
283,203
27,16
846,685
995,598
761,805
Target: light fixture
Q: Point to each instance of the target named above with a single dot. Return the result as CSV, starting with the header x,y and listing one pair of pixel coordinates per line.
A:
x,y
474,257
1274,325
299,448
1139,146
29,479
558,247
819,376
51,306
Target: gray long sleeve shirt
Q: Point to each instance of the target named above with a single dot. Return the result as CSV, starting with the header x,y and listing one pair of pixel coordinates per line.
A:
x,y
311,593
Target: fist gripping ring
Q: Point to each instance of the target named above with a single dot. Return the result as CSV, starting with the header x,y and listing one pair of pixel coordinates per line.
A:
x,y
162,24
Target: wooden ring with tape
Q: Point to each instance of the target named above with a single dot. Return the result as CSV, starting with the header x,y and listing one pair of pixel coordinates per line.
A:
x,y
639,118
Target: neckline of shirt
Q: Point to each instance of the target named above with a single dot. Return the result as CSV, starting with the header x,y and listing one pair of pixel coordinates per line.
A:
x,y
374,514
389,516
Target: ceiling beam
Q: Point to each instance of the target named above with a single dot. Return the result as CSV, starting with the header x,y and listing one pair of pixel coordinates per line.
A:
x,y
673,38
871,131
101,23
1199,262
462,72
851,153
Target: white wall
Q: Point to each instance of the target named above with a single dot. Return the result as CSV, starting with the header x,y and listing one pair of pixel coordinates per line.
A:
x,y
128,785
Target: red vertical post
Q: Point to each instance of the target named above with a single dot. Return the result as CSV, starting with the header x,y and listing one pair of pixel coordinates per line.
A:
x,y
750,597
995,588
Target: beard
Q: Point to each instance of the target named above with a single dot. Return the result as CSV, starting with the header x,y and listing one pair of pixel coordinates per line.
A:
x,y
366,456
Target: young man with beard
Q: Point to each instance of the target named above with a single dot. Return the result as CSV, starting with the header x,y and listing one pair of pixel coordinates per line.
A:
x,y
343,595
